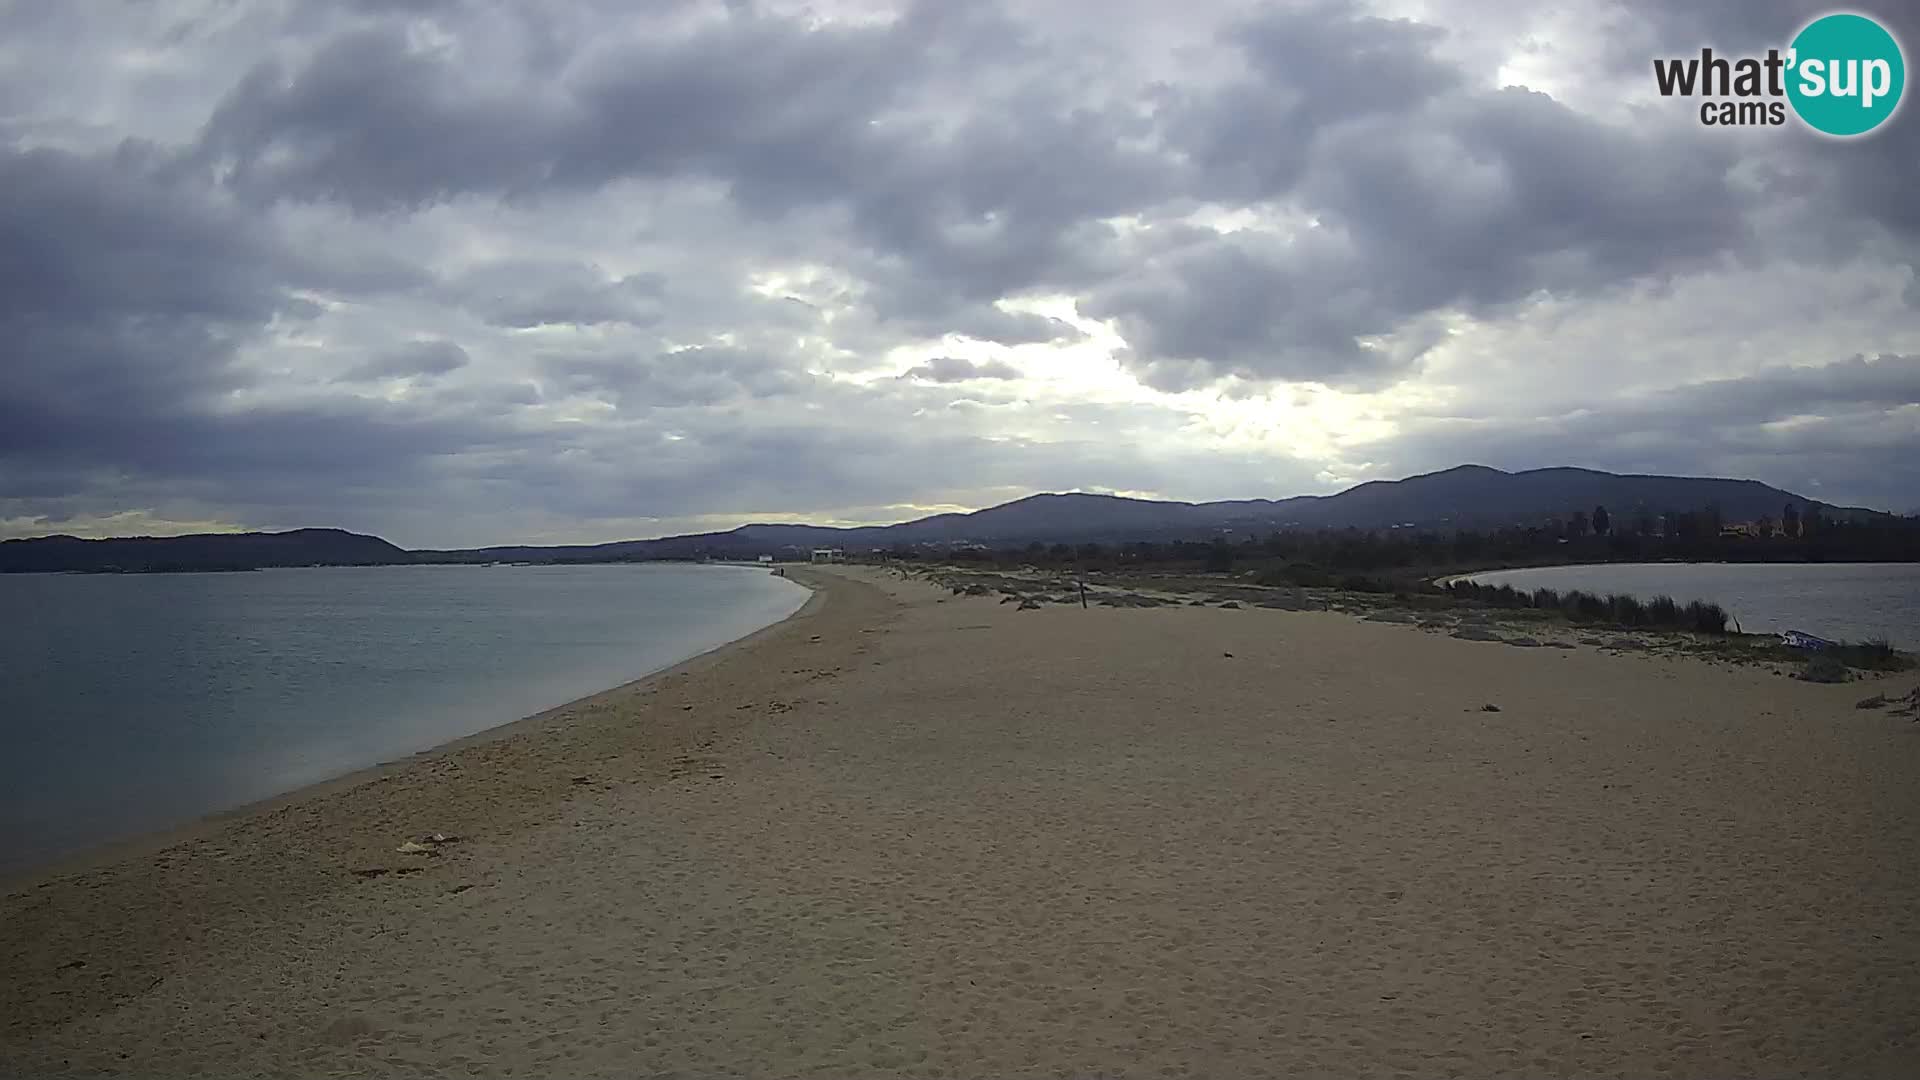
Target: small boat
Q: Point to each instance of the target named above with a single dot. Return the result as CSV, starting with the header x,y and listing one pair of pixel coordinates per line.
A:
x,y
1800,639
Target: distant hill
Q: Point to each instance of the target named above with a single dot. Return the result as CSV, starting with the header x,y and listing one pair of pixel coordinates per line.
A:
x,y
1474,495
1469,496
201,551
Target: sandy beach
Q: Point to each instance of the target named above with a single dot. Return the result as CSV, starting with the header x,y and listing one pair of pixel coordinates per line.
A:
x,y
908,833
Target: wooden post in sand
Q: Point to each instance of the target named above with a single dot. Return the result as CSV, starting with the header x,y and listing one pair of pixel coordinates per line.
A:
x,y
1083,595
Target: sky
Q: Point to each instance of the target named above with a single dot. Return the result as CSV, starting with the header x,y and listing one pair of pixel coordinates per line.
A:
x,y
462,272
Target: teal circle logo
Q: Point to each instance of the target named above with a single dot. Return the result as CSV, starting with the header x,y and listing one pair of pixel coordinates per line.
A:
x,y
1846,74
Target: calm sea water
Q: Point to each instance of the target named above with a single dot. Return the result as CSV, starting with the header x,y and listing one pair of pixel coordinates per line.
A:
x,y
1841,601
130,703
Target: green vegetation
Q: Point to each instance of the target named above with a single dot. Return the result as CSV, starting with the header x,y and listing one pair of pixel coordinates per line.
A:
x,y
1315,558
1372,569
1877,654
1616,610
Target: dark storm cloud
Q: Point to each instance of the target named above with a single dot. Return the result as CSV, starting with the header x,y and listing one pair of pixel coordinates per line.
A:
x,y
662,228
101,236
788,116
369,123
952,369
1408,190
120,296
124,297
773,105
1012,200
1305,70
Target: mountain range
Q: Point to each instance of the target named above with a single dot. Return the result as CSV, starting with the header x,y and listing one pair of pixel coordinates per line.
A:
x,y
203,551
1468,496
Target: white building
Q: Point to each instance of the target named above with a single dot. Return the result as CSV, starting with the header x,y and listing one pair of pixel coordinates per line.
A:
x,y
828,555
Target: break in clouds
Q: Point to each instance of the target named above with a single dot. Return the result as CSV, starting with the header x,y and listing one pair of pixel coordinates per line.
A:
x,y
470,271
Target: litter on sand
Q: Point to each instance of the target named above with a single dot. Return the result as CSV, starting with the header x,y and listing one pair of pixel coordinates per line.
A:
x,y
432,841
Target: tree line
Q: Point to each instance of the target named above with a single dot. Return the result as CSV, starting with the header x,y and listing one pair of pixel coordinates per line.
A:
x,y
1323,556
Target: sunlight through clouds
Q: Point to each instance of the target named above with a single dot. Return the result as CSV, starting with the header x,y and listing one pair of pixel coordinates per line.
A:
x,y
459,273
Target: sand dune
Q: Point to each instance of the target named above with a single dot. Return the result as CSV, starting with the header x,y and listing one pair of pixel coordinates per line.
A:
x,y
909,834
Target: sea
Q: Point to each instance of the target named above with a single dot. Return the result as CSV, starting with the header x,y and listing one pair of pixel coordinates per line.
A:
x,y
131,703
1837,601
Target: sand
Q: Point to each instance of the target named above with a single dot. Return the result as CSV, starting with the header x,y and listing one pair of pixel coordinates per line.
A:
x,y
912,834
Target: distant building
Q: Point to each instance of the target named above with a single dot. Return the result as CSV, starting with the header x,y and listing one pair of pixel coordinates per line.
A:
x,y
766,558
829,555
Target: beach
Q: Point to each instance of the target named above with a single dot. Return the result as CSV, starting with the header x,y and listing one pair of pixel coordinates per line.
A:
x,y
913,833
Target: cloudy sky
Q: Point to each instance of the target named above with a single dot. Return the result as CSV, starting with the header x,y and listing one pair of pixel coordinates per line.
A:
x,y
471,271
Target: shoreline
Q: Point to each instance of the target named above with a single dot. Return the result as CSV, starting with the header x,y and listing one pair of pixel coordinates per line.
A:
x,y
1666,562
935,835
1746,596
147,844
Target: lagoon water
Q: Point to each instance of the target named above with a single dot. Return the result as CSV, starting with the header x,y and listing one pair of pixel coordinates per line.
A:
x,y
130,703
1841,601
